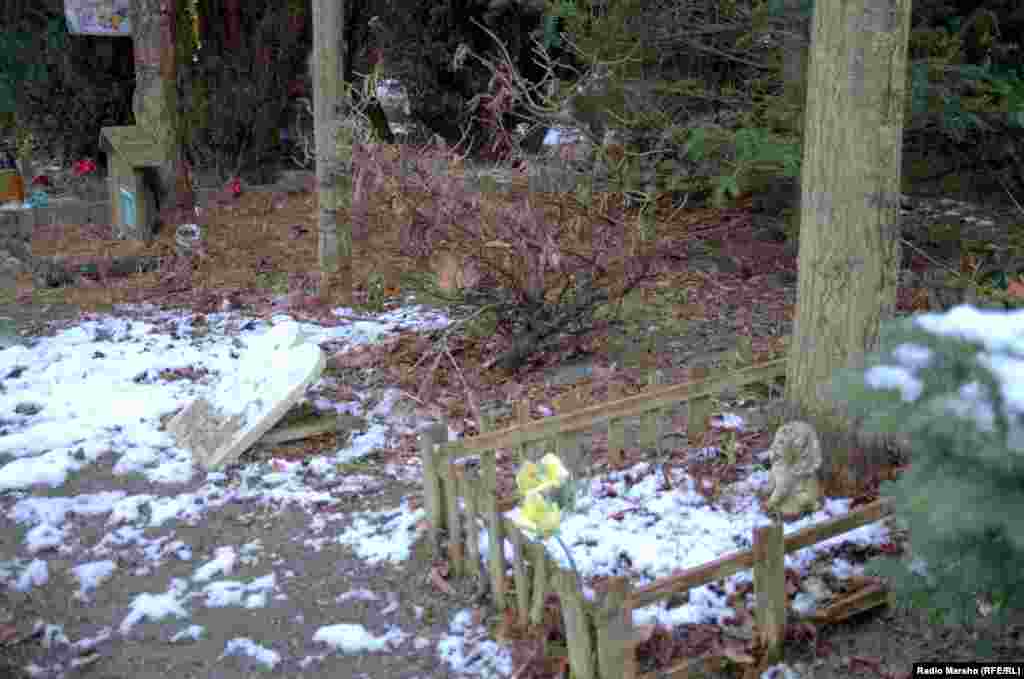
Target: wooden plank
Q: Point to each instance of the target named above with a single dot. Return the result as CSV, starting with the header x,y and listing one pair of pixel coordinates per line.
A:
x,y
454,489
433,498
495,532
812,535
577,625
744,354
698,410
734,562
569,401
522,410
862,600
522,577
616,430
631,406
718,569
569,450
475,499
614,622
541,567
770,589
650,428
471,498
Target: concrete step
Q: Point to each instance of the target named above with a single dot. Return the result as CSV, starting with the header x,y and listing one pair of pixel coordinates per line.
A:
x,y
62,211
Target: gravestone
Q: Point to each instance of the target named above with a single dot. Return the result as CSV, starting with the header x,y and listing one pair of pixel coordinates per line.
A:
x,y
273,376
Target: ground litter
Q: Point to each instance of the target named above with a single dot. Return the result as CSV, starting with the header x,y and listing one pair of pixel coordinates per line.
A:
x,y
90,399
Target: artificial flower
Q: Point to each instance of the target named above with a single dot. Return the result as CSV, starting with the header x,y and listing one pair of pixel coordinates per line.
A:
x,y
533,477
84,167
537,515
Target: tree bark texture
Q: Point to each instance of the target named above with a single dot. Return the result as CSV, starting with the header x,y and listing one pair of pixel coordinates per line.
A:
x,y
333,152
849,220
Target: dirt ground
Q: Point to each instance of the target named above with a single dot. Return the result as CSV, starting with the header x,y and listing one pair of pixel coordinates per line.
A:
x,y
259,256
312,591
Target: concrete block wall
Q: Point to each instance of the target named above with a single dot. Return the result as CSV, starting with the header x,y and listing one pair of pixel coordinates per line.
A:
x,y
17,227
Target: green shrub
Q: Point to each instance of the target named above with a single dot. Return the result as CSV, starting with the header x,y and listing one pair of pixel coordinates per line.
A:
x,y
949,384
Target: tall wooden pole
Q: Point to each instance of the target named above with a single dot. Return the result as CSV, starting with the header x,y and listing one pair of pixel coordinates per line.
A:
x,y
333,152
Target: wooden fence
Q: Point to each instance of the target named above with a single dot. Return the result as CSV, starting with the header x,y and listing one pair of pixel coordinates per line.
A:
x,y
606,625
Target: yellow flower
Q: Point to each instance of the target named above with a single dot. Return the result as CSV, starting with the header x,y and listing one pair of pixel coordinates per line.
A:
x,y
527,478
538,515
553,468
534,478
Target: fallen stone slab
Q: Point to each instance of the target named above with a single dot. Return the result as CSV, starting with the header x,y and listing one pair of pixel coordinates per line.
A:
x,y
273,376
341,424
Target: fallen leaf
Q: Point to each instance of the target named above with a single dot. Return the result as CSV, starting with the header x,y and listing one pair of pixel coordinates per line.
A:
x,y
7,632
859,661
737,652
642,633
277,201
440,582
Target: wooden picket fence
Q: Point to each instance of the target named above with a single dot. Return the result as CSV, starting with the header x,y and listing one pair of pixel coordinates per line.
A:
x,y
447,479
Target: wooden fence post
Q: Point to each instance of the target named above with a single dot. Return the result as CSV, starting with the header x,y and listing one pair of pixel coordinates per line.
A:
x,y
650,428
522,414
471,489
616,430
578,627
770,588
697,409
539,558
454,488
495,528
433,492
568,446
744,355
616,652
522,577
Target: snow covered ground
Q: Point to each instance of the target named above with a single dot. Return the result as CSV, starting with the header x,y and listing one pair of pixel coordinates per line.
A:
x,y
99,389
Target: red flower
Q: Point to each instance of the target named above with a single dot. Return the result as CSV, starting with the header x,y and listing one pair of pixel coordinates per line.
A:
x,y
235,187
41,180
84,167
374,55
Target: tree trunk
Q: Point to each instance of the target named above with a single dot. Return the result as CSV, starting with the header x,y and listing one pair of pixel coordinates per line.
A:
x,y
849,220
333,152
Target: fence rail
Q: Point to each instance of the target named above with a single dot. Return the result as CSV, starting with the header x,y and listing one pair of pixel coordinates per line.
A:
x,y
609,622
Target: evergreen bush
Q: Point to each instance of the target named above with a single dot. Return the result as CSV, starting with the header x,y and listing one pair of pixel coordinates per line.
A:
x,y
950,384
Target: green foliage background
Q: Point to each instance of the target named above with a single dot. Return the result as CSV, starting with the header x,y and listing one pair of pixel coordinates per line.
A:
x,y
973,111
